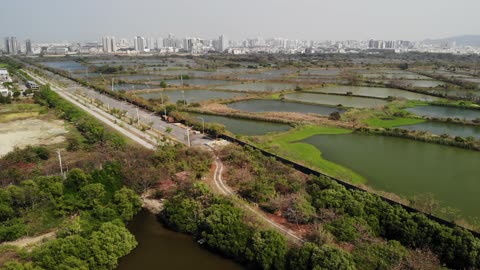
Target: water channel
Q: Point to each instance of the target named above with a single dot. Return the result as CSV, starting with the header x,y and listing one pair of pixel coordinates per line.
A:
x,y
376,92
445,112
334,100
244,126
261,105
159,248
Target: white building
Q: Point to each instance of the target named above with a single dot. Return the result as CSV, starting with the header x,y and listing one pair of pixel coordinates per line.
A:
x,y
222,43
139,44
109,44
57,50
4,76
4,91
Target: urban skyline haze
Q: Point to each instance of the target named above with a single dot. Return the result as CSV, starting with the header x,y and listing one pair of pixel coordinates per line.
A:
x,y
55,20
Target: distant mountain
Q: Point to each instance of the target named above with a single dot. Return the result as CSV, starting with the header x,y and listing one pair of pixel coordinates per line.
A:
x,y
465,40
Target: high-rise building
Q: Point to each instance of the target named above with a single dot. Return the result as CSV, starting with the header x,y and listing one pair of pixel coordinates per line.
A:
x,y
149,43
109,44
158,43
139,43
28,47
222,43
11,45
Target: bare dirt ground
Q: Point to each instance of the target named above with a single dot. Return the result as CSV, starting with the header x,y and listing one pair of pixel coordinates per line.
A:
x,y
21,133
155,206
30,241
279,116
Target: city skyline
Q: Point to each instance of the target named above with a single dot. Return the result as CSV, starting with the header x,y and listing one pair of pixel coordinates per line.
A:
x,y
302,20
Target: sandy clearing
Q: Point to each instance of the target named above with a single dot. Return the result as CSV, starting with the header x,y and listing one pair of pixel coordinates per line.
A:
x,y
21,133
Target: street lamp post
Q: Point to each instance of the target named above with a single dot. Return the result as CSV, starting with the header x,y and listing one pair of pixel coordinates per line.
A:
x,y
163,104
188,137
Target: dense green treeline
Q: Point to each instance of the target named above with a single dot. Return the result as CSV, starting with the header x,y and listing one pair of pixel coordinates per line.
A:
x,y
381,235
93,131
455,247
225,229
88,210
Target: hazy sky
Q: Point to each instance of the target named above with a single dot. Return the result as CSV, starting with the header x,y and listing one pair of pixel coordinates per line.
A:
x,y
82,20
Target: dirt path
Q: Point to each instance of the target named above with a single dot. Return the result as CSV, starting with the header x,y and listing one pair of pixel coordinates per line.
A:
x,y
224,189
29,241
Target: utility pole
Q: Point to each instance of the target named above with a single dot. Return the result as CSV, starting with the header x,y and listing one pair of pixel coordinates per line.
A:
x,y
188,136
183,97
112,85
138,117
60,161
203,124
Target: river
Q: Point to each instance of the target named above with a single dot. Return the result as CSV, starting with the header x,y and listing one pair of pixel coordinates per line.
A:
x,y
159,248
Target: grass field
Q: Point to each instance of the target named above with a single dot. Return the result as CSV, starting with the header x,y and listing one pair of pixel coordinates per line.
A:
x,y
11,112
391,122
3,65
287,145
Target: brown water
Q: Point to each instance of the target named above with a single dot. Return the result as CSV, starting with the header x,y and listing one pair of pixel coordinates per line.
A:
x,y
159,248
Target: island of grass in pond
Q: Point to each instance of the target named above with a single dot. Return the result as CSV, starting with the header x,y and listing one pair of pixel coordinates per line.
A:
x,y
289,145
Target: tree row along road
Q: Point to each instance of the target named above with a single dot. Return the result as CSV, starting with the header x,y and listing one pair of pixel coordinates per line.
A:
x,y
178,134
105,119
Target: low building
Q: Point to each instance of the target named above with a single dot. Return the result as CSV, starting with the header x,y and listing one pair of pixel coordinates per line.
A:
x,y
4,76
31,85
4,91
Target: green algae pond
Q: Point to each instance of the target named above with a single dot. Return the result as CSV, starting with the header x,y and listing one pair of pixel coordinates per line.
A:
x,y
408,167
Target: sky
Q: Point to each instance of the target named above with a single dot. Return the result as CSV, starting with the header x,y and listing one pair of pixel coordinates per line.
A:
x,y
89,20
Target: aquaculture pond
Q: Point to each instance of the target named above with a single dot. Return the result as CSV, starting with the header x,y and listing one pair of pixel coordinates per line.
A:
x,y
408,167
334,100
445,112
258,87
244,126
319,72
191,95
261,105
411,76
130,86
198,82
424,83
69,66
172,250
375,92
440,128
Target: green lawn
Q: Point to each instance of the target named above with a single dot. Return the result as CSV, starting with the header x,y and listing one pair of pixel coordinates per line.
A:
x,y
287,145
391,122
274,96
3,65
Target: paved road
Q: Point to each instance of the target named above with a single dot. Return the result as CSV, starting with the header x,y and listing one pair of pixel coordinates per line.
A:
x,y
127,131
177,132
